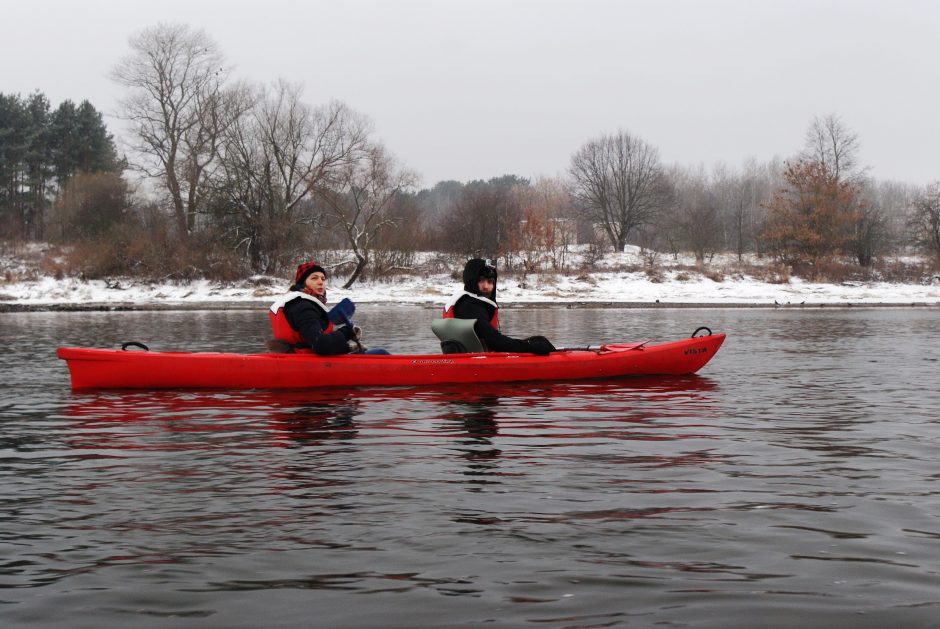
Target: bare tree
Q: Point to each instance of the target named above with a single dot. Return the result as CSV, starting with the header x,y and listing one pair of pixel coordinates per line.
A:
x,y
832,143
896,202
395,249
873,230
467,227
275,158
696,217
562,210
551,208
619,184
740,196
483,216
532,239
925,222
178,109
437,202
359,199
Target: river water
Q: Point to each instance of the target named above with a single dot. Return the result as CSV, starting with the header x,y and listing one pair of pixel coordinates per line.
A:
x,y
794,481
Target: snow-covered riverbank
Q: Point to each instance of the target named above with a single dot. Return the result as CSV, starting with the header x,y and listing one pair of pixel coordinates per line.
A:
x,y
674,283
635,289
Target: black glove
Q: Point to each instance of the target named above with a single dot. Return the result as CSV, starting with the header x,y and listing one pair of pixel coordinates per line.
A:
x,y
355,347
540,345
351,332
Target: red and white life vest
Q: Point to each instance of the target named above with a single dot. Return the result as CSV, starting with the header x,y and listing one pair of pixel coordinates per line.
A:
x,y
449,306
280,328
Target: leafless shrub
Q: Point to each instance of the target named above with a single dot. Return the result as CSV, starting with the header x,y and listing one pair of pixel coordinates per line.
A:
x,y
773,273
831,269
715,275
650,257
907,272
386,263
54,262
595,251
155,254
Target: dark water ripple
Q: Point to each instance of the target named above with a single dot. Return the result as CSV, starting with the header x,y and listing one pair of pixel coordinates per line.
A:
x,y
793,482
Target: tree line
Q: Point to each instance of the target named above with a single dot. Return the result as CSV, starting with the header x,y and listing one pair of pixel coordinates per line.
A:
x,y
42,150
227,179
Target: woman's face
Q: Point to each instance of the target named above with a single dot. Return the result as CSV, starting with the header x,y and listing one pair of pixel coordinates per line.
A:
x,y
315,284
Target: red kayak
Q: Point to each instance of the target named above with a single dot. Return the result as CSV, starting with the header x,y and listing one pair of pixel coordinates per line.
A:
x,y
120,369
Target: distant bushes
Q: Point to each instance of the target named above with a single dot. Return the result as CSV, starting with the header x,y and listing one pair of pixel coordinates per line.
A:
x,y
131,249
149,251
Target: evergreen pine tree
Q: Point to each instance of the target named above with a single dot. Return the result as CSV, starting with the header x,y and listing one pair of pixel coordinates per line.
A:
x,y
12,153
38,164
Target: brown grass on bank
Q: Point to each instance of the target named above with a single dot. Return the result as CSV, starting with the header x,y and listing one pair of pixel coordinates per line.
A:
x,y
125,251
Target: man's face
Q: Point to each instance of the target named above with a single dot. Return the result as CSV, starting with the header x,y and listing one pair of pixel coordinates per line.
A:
x,y
485,285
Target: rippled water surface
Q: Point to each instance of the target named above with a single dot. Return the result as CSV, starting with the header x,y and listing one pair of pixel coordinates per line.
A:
x,y
793,482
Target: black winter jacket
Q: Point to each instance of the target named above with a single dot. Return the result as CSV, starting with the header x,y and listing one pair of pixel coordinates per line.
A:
x,y
470,308
310,321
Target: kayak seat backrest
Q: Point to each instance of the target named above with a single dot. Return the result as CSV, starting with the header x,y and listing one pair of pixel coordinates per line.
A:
x,y
453,347
457,336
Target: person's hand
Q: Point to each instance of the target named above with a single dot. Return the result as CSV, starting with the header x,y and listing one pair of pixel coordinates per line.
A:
x,y
540,345
351,332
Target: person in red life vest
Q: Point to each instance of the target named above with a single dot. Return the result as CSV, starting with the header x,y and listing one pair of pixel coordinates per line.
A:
x,y
477,301
300,319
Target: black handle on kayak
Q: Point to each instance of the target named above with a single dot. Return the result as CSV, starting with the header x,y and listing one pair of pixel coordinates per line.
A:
x,y
124,346
697,330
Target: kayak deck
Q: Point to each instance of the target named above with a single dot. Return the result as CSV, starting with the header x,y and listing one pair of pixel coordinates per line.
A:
x,y
119,369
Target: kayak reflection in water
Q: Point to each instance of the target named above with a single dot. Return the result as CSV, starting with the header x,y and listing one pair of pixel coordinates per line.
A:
x,y
472,418
301,322
477,302
314,423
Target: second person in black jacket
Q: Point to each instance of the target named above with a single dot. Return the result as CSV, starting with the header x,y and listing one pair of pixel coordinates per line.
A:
x,y
477,301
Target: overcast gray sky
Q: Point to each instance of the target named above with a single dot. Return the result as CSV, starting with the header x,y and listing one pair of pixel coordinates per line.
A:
x,y
476,89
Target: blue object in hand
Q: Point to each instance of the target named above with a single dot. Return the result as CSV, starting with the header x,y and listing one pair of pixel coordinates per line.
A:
x,y
340,313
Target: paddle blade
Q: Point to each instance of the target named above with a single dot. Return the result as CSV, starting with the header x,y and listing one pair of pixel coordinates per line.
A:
x,y
340,313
